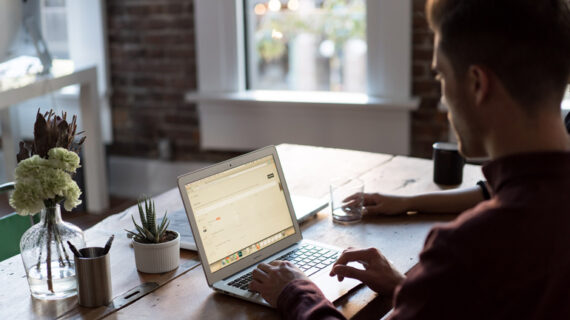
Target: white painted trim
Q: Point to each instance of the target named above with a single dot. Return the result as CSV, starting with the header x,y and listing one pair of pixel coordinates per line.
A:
x,y
301,99
220,48
389,38
87,34
247,126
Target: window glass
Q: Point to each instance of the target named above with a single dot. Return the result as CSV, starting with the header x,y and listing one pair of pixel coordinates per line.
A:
x,y
54,27
306,45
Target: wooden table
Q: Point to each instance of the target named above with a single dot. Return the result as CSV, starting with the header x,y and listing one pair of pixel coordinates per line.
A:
x,y
184,293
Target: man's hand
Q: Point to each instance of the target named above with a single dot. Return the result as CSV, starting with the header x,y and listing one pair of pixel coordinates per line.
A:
x,y
376,203
270,279
378,274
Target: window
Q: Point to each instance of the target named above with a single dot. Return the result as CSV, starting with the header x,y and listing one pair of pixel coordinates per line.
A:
x,y
306,45
234,108
54,27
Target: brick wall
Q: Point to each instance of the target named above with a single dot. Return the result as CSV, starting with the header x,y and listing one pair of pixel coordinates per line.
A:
x,y
153,63
428,124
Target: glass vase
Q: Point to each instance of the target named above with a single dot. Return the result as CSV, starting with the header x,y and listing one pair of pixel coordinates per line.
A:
x,y
48,261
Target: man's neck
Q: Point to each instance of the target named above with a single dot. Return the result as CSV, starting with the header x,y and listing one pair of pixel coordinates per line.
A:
x,y
542,133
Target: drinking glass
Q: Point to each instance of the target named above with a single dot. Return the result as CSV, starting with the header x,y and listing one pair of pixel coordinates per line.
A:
x,y
347,200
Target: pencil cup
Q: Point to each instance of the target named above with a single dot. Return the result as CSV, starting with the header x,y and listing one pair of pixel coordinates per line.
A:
x,y
447,164
93,270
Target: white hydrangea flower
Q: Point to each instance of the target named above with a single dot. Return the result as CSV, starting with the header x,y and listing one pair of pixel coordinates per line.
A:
x,y
39,179
63,159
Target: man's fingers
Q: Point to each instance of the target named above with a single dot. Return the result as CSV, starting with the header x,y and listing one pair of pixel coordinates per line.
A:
x,y
369,200
350,203
259,275
277,263
264,267
349,272
353,197
255,285
352,255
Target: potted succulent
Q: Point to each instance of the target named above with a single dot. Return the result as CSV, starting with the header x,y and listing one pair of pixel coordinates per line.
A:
x,y
157,249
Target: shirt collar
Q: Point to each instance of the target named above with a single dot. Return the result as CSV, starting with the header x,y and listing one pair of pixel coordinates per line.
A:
x,y
501,171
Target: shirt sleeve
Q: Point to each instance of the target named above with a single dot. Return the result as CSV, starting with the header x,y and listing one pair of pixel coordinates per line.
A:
x,y
436,287
302,299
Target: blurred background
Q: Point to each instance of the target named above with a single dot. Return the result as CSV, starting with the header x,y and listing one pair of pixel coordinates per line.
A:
x,y
186,83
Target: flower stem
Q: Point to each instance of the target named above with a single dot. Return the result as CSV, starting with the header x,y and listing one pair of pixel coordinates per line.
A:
x,y
48,260
39,263
59,243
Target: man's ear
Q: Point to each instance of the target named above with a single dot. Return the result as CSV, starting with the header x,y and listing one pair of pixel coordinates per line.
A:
x,y
479,83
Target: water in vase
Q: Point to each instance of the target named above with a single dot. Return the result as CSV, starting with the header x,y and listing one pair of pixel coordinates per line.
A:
x,y
63,282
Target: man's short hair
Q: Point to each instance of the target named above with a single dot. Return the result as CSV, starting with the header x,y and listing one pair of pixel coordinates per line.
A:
x,y
526,43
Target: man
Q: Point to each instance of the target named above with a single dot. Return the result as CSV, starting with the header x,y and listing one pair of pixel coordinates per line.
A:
x,y
503,67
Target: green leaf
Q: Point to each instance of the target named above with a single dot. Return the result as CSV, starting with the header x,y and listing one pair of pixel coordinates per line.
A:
x,y
141,215
131,234
141,230
151,216
163,231
162,227
151,237
150,231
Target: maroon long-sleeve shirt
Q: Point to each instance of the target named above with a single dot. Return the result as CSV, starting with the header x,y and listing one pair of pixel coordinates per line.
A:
x,y
507,258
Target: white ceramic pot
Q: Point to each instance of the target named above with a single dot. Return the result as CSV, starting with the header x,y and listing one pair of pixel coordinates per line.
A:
x,y
157,257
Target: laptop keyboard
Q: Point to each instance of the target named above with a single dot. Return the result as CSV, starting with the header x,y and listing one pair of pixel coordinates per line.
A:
x,y
309,258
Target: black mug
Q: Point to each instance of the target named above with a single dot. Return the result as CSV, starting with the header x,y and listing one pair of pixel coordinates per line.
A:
x,y
447,164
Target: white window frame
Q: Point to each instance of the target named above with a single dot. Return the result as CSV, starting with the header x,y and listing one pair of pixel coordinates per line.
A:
x,y
88,39
233,118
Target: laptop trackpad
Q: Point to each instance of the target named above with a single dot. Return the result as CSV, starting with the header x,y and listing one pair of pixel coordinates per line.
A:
x,y
331,287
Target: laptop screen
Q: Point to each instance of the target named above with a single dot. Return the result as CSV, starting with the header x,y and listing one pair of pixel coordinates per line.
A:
x,y
240,211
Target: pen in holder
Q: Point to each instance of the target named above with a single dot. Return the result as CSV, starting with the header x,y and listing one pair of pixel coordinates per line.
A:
x,y
93,271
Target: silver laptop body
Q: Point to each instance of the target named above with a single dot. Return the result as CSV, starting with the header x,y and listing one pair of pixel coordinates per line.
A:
x,y
241,214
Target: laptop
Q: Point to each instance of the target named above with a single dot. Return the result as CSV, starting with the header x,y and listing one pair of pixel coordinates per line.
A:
x,y
179,223
305,208
241,214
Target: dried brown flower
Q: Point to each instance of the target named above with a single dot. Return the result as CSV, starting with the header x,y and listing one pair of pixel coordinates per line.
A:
x,y
52,131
